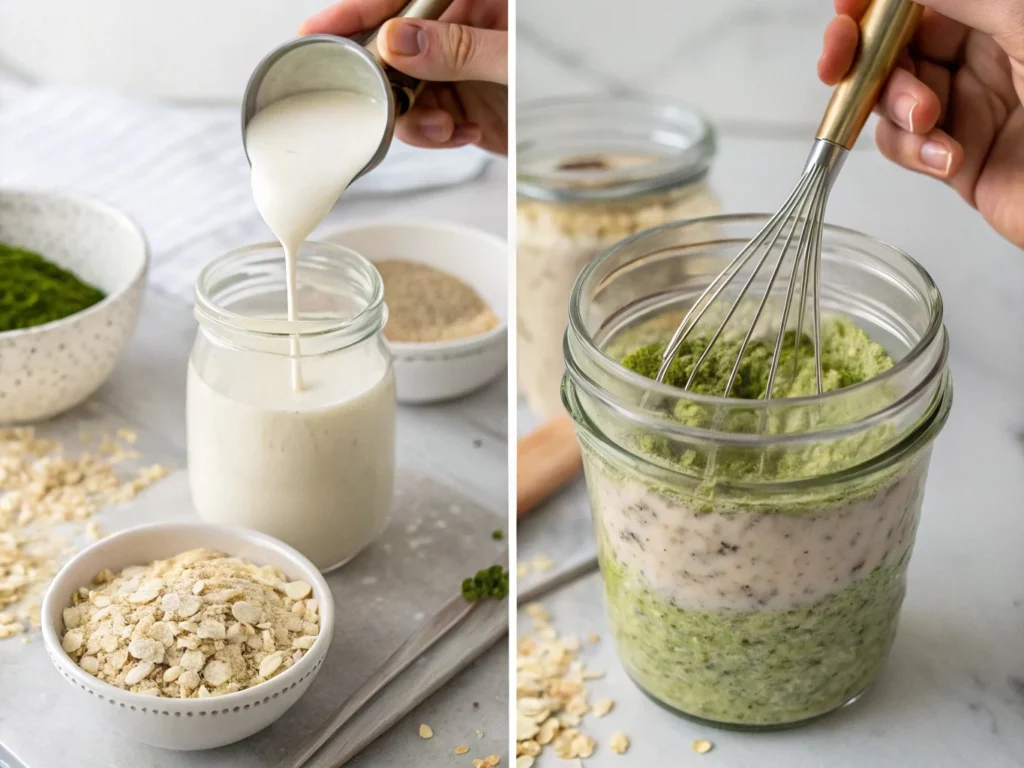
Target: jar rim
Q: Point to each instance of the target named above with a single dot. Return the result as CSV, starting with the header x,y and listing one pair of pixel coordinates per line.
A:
x,y
678,141
577,327
363,323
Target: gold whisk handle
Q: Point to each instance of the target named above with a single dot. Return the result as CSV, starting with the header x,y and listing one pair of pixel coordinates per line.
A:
x,y
885,30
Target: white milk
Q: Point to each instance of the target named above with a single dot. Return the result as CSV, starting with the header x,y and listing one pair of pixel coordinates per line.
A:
x,y
307,456
314,468
305,150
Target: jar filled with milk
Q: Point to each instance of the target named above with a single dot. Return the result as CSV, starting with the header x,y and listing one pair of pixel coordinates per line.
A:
x,y
291,422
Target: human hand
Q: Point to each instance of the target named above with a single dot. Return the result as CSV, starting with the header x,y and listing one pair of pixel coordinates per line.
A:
x,y
464,56
954,107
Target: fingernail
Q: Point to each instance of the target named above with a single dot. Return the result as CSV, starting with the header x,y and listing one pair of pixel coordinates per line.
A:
x,y
435,128
935,155
904,107
405,38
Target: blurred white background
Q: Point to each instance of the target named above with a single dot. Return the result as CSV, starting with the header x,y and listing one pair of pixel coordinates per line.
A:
x,y
749,64
194,50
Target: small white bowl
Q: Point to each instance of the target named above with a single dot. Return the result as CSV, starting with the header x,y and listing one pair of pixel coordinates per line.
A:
x,y
50,368
434,371
184,724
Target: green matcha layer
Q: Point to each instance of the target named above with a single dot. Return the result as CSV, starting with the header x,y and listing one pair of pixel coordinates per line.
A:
x,y
848,356
755,668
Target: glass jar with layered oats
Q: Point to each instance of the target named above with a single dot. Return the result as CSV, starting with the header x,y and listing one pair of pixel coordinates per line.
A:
x,y
590,173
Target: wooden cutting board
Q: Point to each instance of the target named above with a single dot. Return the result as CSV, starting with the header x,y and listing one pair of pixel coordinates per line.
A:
x,y
549,457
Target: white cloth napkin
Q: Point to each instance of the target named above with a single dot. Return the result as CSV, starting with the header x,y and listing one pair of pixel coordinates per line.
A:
x,y
179,171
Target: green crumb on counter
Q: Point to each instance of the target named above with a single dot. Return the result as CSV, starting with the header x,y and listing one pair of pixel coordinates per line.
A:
x,y
490,582
497,535
34,291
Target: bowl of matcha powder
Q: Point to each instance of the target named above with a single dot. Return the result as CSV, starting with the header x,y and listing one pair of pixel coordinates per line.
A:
x,y
72,276
754,550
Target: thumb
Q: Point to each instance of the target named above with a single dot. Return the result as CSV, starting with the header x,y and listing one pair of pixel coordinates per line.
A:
x,y
443,52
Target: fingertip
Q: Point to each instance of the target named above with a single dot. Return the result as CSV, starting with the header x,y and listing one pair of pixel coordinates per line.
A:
x,y
838,49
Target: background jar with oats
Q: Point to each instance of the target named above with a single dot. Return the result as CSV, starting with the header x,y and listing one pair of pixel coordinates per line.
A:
x,y
754,552
591,172
315,466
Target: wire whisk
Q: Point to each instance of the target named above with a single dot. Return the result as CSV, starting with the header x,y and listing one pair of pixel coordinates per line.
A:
x,y
885,29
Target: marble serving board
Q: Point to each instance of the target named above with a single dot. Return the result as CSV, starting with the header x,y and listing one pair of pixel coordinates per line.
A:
x,y
440,532
953,693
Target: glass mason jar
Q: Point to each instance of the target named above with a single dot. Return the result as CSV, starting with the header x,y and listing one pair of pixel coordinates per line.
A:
x,y
309,458
753,552
591,172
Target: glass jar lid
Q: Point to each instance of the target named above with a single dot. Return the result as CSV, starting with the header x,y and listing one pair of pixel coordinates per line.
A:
x,y
602,148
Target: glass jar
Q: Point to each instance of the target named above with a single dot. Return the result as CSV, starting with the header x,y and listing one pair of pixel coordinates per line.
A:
x,y
311,463
591,172
753,552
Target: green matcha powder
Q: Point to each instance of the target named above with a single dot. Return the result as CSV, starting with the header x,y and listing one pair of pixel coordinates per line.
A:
x,y
34,291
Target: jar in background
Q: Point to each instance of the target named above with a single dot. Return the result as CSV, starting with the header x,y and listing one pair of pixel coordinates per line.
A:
x,y
591,172
754,576
313,466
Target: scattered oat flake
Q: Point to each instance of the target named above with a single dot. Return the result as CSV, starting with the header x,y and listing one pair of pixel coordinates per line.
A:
x,y
426,732
593,638
602,707
542,563
702,746
488,762
461,749
128,435
619,743
479,733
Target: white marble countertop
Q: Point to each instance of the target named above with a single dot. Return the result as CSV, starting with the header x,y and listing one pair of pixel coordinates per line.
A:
x,y
953,693
452,467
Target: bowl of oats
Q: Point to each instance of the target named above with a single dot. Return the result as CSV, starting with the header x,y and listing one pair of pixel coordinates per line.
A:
x,y
446,291
188,636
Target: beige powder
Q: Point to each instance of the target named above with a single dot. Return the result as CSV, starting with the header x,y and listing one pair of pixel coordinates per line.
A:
x,y
426,304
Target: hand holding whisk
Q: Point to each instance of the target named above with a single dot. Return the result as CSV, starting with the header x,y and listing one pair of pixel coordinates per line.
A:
x,y
886,28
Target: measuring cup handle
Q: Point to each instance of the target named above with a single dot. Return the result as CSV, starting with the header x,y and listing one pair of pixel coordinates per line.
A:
x,y
406,88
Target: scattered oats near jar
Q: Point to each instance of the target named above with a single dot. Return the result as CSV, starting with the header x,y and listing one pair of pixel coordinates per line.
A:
x,y
41,489
488,762
702,746
461,749
619,743
551,694
426,304
426,732
149,630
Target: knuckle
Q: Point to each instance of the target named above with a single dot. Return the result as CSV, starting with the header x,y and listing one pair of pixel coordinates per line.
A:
x,y
461,46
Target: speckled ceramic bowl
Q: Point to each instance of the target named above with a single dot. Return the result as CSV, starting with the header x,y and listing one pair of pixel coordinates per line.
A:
x,y
50,368
184,724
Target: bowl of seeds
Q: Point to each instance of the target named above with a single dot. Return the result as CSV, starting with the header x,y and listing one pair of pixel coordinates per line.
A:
x,y
446,289
72,276
188,636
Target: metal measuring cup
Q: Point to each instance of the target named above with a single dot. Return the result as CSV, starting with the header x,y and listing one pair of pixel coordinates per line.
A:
x,y
328,62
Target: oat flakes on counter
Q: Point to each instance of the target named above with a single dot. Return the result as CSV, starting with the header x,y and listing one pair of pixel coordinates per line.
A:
x,y
196,625
40,489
